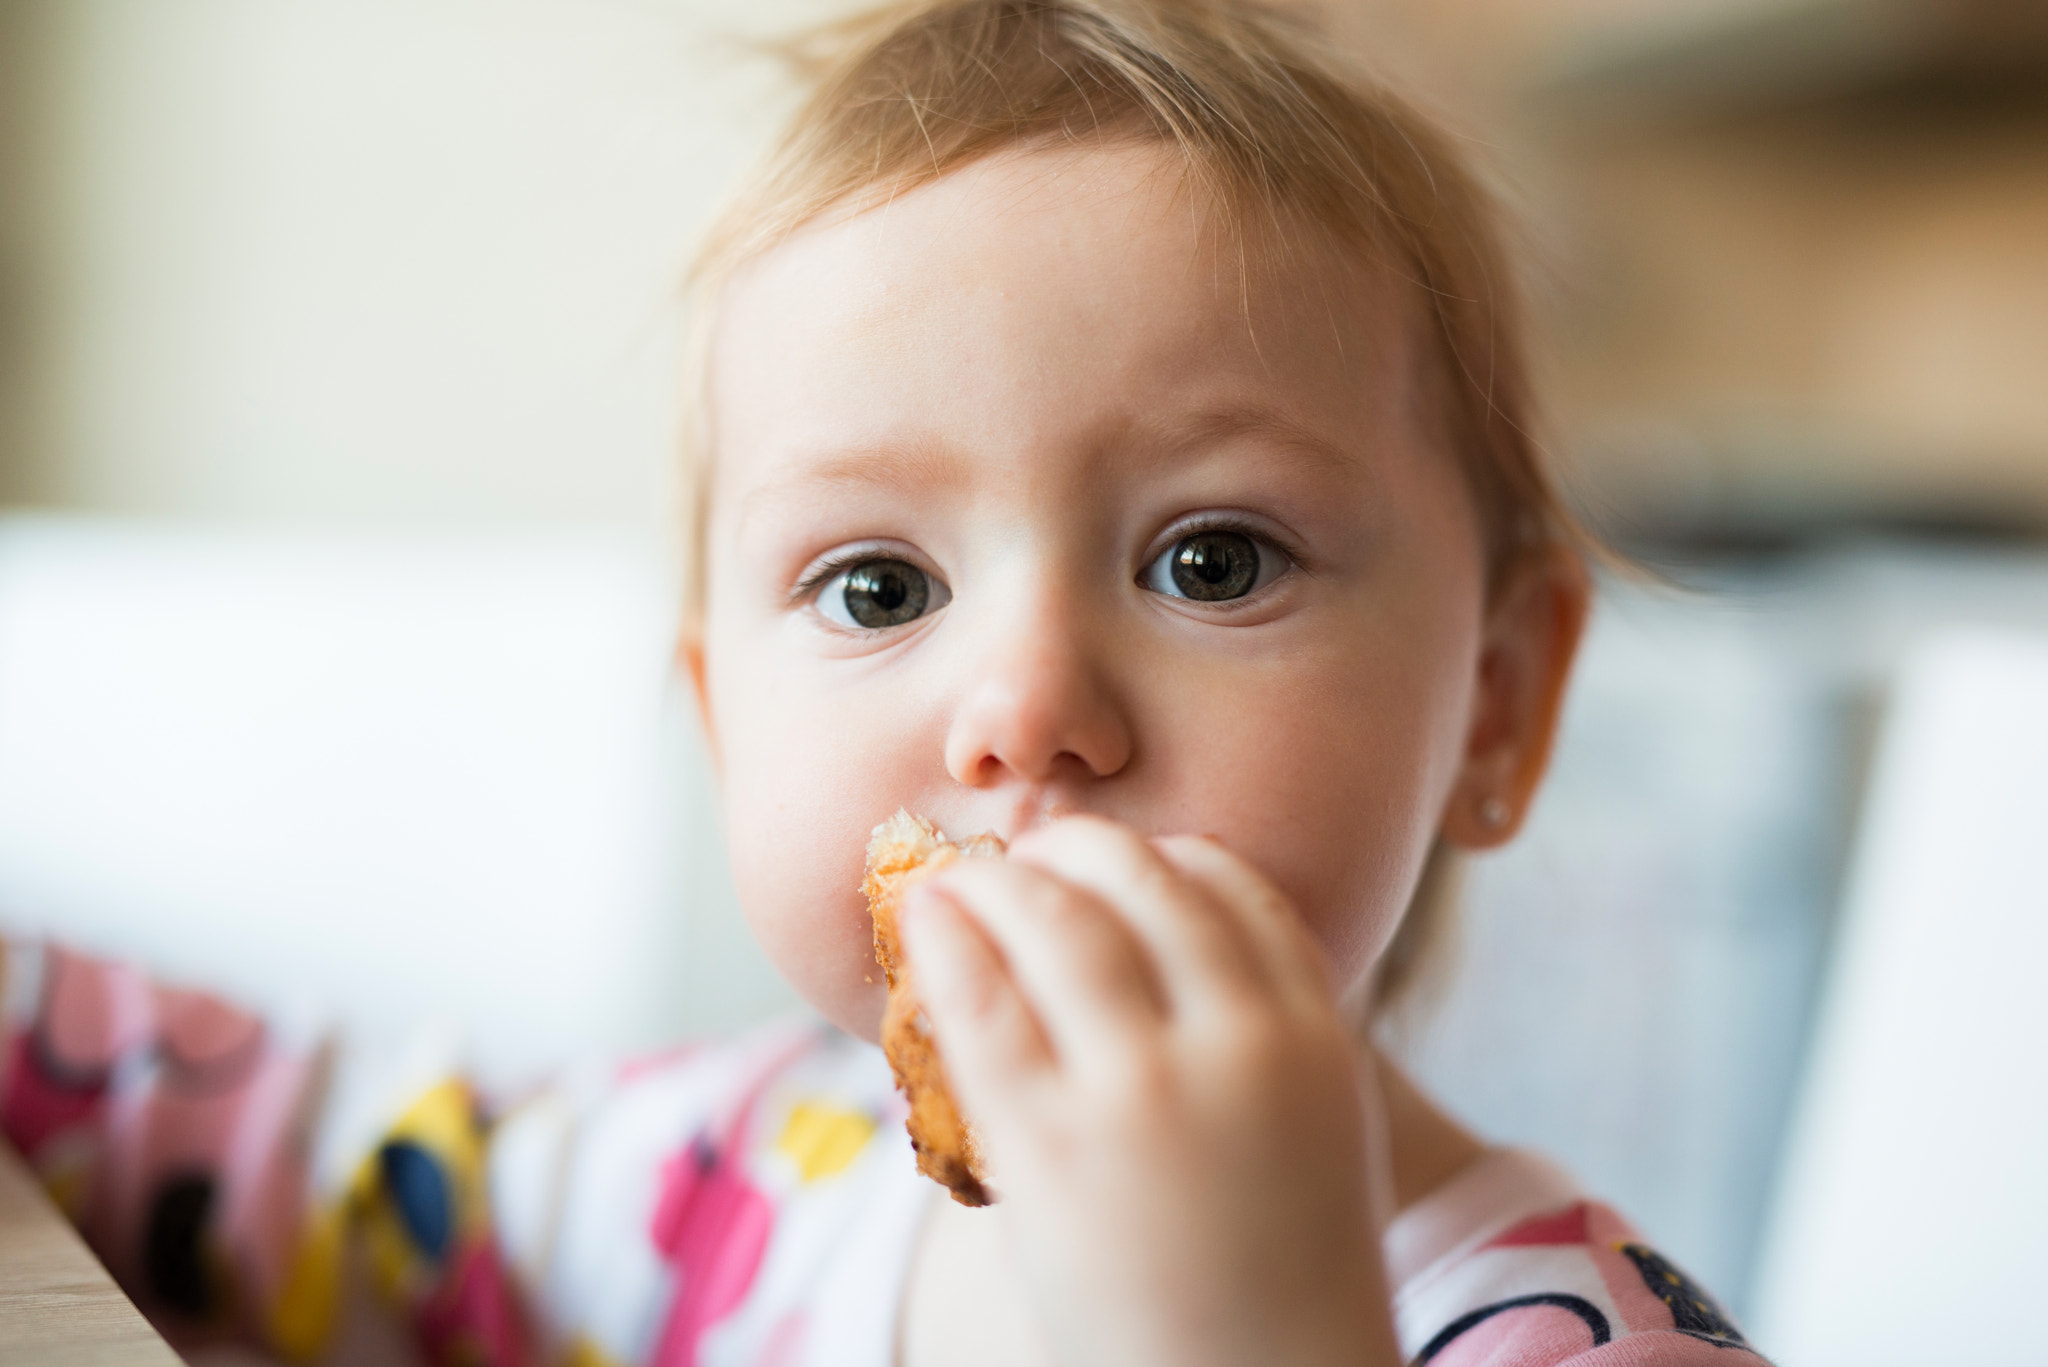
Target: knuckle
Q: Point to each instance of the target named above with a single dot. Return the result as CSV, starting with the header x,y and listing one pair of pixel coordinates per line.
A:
x,y
1061,910
967,997
1107,961
1258,1042
964,877
976,997
1086,826
1204,852
1140,1086
1084,931
1241,1001
1068,911
1195,853
1070,836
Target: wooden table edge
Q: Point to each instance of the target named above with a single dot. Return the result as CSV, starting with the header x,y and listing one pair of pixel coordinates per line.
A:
x,y
59,1307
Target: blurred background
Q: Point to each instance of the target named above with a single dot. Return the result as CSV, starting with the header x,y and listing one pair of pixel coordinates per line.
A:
x,y
337,354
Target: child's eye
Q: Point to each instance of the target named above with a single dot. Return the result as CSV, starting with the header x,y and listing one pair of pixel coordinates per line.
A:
x,y
1213,566
881,593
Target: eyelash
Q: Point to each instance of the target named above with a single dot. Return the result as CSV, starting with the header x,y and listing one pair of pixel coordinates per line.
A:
x,y
1221,522
839,562
836,564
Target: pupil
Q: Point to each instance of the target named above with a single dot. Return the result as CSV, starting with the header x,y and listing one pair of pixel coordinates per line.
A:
x,y
1213,566
886,593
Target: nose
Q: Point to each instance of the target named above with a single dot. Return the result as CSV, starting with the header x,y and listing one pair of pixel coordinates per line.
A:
x,y
1037,707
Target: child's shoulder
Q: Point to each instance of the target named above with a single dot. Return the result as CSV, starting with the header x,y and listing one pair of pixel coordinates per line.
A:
x,y
1510,1262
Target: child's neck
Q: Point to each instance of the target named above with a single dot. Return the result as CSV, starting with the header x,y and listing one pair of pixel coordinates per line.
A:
x,y
1427,1147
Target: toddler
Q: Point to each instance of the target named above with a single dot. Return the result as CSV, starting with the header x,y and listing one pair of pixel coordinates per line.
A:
x,y
1110,433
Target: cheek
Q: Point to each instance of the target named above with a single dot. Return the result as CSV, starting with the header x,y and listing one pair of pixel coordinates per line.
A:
x,y
1332,770
803,783
797,874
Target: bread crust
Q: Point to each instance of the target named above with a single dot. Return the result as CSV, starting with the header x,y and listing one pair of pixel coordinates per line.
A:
x,y
904,850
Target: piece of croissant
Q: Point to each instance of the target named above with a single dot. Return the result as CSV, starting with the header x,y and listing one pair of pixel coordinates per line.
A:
x,y
904,849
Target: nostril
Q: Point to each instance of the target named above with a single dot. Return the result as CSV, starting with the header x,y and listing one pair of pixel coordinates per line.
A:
x,y
1038,712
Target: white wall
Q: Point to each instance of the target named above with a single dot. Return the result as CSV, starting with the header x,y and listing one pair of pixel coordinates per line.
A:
x,y
383,260
1910,1224
382,783
332,272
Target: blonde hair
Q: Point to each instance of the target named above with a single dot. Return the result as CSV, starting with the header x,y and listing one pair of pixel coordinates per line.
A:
x,y
907,93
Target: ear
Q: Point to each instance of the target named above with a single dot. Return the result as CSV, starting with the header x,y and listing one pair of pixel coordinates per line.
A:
x,y
1531,634
690,659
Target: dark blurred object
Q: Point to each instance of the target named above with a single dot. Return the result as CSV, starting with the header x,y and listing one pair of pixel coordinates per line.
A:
x,y
1789,258
1918,57
1801,268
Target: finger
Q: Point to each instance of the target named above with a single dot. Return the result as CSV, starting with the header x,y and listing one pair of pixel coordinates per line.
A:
x,y
1084,974
991,1042
1199,947
1287,951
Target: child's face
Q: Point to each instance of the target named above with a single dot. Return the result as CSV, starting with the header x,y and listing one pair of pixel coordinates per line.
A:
x,y
1024,505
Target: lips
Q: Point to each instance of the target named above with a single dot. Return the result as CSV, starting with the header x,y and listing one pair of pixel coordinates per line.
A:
x,y
1005,819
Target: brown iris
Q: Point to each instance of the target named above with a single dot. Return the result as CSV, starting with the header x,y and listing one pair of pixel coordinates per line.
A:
x,y
1213,566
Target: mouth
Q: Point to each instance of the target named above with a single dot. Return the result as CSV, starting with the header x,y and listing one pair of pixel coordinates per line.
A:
x,y
1010,817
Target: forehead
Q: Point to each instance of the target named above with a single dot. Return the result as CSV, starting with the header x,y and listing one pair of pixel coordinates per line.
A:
x,y
1044,296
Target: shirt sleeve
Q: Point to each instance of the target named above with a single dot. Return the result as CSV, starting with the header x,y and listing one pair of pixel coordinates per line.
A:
x,y
1573,1287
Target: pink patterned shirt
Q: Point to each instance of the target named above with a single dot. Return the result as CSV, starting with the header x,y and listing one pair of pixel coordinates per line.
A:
x,y
751,1203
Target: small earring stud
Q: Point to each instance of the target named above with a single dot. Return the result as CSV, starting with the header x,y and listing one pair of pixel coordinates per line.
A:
x,y
1494,812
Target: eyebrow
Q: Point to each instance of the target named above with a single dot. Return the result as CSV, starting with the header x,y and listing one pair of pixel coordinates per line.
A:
x,y
914,464
924,464
1254,420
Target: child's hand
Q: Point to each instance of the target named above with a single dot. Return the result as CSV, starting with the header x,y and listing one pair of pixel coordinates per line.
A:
x,y
1145,1039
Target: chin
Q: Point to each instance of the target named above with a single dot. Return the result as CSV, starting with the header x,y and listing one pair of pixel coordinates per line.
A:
x,y
812,923
836,975
857,1011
